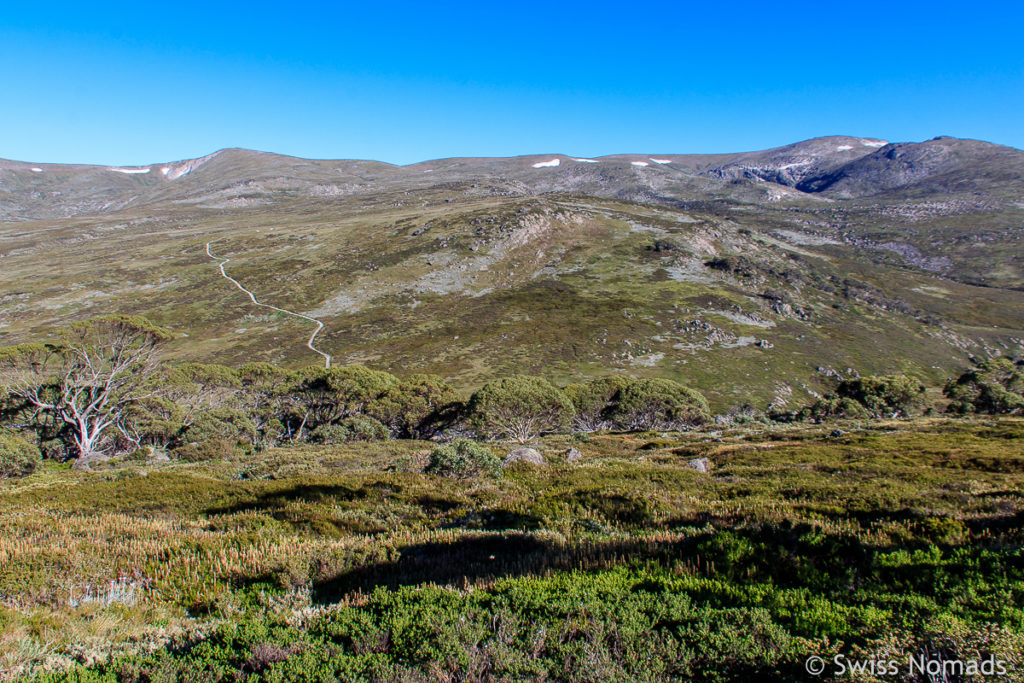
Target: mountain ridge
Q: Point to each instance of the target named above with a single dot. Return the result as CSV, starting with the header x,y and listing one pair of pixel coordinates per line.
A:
x,y
830,167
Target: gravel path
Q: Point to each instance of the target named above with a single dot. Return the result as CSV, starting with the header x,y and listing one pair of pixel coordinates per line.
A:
x,y
319,325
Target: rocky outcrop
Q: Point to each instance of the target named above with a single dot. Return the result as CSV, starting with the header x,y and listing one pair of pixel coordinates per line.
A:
x,y
524,455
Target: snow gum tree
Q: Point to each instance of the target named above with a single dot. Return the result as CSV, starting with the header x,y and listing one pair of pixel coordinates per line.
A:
x,y
519,408
90,380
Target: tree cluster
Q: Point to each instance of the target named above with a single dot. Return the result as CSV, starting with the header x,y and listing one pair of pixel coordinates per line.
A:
x,y
101,390
871,397
993,387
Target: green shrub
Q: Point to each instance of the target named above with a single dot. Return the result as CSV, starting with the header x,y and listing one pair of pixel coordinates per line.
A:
x,y
318,396
18,457
867,397
995,386
658,444
832,406
55,449
463,459
643,404
224,424
885,395
518,408
357,428
199,451
417,407
593,400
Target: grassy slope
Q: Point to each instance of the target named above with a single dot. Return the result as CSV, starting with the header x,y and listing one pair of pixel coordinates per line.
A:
x,y
564,286
818,544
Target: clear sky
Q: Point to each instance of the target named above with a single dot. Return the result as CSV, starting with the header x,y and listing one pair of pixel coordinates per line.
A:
x,y
142,82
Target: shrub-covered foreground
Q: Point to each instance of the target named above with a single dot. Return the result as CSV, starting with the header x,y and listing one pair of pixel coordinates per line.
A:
x,y
346,562
640,624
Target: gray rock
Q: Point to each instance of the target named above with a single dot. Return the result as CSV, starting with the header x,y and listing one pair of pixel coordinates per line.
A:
x,y
159,456
700,464
527,455
573,454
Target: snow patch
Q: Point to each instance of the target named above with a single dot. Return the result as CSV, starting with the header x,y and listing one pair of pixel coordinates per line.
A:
x,y
429,170
874,143
661,161
129,170
547,164
586,161
36,170
639,163
843,148
795,164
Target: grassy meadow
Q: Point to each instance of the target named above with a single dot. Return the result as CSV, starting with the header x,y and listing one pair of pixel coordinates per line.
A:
x,y
874,539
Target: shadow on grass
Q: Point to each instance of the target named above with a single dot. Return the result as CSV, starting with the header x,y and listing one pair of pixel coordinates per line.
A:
x,y
483,557
783,554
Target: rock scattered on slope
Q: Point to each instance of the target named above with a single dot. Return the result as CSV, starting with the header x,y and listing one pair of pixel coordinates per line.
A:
x,y
700,464
527,455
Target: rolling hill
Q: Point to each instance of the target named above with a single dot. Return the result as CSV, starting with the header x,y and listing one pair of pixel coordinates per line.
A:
x,y
757,277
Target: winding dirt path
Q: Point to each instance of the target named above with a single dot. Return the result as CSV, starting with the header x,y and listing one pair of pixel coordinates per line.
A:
x,y
319,325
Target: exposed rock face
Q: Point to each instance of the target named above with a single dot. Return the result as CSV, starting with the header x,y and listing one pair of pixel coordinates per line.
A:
x,y
931,167
527,455
573,455
700,464
795,164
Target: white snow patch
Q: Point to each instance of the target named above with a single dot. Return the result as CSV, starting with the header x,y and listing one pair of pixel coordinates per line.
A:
x,y
429,170
874,143
661,161
843,148
129,170
36,170
586,161
547,164
639,163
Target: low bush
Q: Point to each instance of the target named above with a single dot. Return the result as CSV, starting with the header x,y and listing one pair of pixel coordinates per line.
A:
x,y
832,406
862,398
224,424
463,459
199,451
885,395
18,457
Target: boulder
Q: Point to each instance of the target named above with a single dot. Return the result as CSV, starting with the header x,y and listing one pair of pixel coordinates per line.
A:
x,y
573,454
527,455
700,464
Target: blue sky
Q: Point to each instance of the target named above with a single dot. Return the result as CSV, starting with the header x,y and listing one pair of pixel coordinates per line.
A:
x,y
133,83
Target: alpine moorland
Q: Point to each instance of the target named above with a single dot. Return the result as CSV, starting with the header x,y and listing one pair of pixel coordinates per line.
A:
x,y
756,278
643,417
